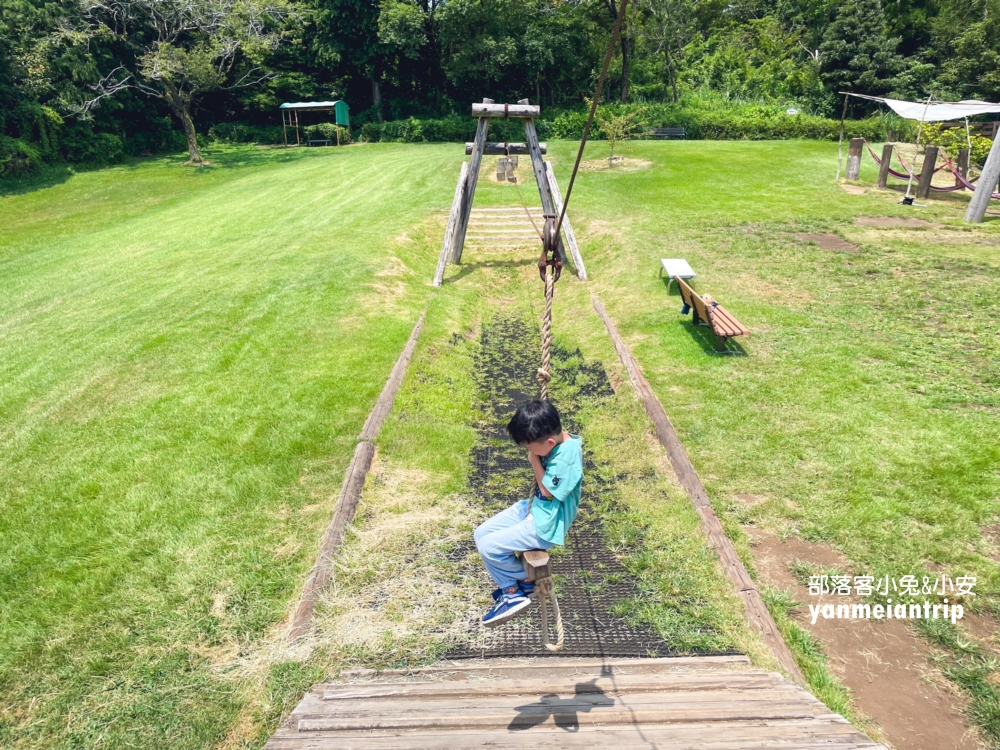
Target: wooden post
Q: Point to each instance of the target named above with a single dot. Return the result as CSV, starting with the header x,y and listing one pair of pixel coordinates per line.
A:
x,y
990,176
854,158
963,165
840,140
927,172
449,232
574,249
498,148
284,127
298,141
470,187
883,169
501,168
541,178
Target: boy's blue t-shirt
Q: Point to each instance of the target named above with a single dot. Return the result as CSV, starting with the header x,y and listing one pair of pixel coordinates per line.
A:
x,y
564,481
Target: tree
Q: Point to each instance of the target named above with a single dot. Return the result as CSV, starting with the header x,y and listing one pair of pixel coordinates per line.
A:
x,y
856,54
670,27
177,50
618,127
975,66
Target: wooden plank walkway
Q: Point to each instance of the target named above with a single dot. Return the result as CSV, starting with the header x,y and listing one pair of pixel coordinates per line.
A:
x,y
709,703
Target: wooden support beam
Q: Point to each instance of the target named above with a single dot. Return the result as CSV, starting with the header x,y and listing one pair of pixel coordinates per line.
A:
x,y
962,167
567,227
496,148
482,128
350,492
927,172
990,177
854,158
756,611
883,169
541,178
521,110
449,232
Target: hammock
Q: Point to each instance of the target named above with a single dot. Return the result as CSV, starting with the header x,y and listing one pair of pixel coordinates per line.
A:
x,y
965,184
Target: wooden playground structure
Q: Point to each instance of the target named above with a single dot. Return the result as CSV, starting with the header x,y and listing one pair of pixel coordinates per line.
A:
x,y
717,702
465,190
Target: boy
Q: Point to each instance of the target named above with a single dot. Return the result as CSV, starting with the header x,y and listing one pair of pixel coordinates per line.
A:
x,y
556,457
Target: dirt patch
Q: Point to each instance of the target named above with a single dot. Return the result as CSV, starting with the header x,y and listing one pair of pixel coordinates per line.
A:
x,y
828,241
882,662
853,189
621,164
894,221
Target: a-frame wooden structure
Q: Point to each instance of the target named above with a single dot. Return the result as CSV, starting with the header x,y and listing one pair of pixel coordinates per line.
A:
x,y
548,190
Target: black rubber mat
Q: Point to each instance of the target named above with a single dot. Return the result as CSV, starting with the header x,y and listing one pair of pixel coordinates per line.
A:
x,y
591,583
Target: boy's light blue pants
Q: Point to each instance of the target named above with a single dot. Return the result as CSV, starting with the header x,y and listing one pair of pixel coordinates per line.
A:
x,y
497,539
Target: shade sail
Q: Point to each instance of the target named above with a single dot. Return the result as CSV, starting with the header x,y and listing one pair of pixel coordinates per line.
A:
x,y
935,111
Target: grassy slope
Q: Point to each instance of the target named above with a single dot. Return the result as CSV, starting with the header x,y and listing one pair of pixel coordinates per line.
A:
x,y
185,359
187,355
866,413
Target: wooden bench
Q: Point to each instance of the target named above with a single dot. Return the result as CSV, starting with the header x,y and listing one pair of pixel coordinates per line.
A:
x,y
666,133
711,313
319,142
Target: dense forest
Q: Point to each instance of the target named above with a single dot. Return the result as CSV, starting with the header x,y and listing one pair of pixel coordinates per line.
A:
x,y
93,80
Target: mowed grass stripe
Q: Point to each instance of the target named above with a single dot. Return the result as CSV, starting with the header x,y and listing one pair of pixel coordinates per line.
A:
x,y
175,387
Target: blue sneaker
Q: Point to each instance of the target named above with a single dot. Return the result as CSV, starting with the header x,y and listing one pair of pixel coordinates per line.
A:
x,y
527,588
511,602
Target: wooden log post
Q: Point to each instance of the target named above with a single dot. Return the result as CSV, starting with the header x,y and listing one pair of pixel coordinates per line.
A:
x,y
470,186
499,148
990,177
541,178
927,172
883,169
574,249
963,166
502,168
854,158
449,232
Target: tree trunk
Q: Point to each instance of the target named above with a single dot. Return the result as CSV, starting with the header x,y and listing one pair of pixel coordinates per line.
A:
x,y
670,74
181,105
538,89
377,98
626,66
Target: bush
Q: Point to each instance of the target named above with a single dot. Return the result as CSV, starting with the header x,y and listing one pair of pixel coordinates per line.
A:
x,y
239,132
17,158
80,144
450,129
953,139
328,131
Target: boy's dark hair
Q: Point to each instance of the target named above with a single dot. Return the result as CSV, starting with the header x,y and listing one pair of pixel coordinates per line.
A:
x,y
535,420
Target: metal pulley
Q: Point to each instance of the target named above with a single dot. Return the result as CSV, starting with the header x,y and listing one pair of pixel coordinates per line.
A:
x,y
550,249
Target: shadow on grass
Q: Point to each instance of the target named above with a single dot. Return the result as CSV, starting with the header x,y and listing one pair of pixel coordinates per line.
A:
x,y
48,177
702,333
219,156
468,268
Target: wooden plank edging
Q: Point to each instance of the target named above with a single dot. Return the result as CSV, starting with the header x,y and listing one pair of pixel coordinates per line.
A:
x,y
350,491
756,611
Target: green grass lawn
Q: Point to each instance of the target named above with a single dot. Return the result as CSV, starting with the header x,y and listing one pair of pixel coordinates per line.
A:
x,y
186,357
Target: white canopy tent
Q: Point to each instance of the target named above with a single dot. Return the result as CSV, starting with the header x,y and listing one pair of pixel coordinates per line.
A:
x,y
934,111
942,112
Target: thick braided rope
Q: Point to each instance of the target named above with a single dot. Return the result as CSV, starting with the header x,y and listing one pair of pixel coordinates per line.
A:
x,y
544,373
546,593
